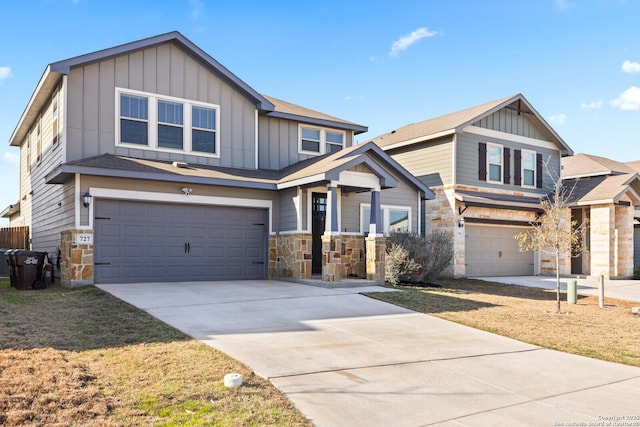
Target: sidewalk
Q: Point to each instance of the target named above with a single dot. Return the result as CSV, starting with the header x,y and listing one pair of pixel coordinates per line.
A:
x,y
628,290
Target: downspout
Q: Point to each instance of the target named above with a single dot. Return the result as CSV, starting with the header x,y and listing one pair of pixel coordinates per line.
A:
x,y
256,139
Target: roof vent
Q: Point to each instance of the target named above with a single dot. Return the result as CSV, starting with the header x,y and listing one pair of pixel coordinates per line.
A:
x,y
180,165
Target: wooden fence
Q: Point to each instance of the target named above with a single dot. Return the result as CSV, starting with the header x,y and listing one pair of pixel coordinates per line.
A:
x,y
14,238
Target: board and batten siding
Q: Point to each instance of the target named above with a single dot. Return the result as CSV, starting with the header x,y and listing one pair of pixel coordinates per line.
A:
x,y
165,70
431,162
509,121
278,145
467,163
288,213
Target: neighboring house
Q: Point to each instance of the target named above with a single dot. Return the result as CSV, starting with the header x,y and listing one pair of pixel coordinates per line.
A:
x,y
486,165
150,161
606,193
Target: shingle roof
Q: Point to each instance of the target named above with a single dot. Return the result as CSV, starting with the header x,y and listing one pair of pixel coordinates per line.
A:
x,y
292,111
454,122
589,165
316,170
602,189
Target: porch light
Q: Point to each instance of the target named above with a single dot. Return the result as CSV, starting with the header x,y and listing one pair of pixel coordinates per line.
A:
x,y
86,199
461,222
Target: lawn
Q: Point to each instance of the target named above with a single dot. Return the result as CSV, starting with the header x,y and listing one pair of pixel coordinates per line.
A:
x,y
529,314
83,357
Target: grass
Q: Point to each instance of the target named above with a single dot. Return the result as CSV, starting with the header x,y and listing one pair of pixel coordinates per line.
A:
x,y
529,314
83,357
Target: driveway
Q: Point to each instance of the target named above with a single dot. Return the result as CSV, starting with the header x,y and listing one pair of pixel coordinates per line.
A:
x,y
347,360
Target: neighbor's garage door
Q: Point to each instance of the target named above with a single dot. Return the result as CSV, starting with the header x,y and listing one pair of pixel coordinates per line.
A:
x,y
492,251
156,242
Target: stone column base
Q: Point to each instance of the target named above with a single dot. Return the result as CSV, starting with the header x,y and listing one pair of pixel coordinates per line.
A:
x,y
76,259
376,251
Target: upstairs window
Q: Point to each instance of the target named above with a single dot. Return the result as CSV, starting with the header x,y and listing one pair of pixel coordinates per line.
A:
x,y
134,116
494,163
203,129
320,141
334,141
528,168
165,123
170,122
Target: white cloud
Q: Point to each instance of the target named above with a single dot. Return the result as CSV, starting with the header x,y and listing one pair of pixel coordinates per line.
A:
x,y
593,105
11,158
631,67
628,100
558,118
403,43
563,4
197,9
5,72
353,97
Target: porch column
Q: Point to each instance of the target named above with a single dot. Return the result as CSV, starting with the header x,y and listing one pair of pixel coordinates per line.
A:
x,y
375,219
331,220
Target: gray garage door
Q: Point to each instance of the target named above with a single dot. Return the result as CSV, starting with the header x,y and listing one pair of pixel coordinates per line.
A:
x,y
157,242
492,251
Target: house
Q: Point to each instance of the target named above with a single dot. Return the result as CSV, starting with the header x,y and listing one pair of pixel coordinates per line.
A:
x,y
489,167
151,161
606,193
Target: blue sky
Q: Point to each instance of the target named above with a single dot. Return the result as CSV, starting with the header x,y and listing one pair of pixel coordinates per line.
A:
x,y
380,64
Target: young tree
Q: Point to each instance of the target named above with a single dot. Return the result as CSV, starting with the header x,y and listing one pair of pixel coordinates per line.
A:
x,y
555,233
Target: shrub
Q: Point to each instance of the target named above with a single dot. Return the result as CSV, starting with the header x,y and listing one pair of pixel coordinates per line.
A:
x,y
399,266
636,273
414,259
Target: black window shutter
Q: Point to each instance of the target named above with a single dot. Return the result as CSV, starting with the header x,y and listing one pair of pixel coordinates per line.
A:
x,y
539,170
506,166
517,167
482,161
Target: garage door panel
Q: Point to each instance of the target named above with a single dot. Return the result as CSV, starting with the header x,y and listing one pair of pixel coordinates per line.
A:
x,y
493,251
143,241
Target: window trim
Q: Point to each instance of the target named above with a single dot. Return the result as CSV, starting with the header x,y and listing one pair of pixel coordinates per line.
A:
x,y
152,123
491,145
524,152
386,216
323,139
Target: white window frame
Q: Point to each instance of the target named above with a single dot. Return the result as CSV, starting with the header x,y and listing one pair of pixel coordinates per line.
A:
x,y
522,168
491,145
323,139
386,217
152,120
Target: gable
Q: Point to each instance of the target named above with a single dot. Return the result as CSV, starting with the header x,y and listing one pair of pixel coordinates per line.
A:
x,y
515,119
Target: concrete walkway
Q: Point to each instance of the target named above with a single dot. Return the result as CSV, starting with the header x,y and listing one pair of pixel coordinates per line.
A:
x,y
628,290
347,360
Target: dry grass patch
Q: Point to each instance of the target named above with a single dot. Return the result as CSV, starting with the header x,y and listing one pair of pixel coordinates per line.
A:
x,y
529,314
83,357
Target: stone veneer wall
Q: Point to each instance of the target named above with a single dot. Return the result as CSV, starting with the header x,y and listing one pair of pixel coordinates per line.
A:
x,y
624,229
76,260
376,252
290,256
343,256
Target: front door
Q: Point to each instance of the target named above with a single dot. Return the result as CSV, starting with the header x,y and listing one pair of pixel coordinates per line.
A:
x,y
318,215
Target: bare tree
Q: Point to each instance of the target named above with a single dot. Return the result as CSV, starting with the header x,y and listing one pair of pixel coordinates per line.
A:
x,y
555,233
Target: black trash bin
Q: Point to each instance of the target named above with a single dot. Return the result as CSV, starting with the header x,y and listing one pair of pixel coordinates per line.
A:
x,y
4,263
28,266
